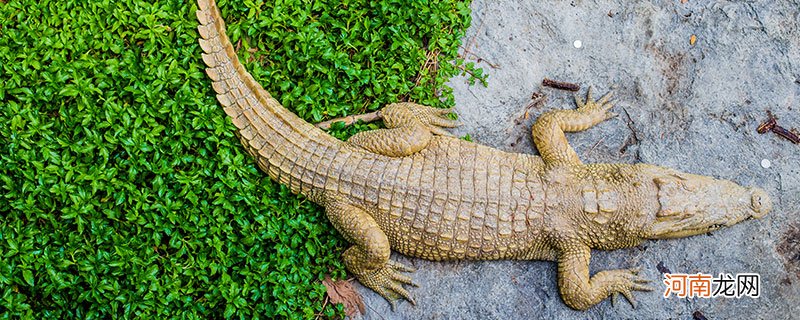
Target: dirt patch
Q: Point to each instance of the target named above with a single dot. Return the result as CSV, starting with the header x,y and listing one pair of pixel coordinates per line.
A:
x,y
678,78
789,248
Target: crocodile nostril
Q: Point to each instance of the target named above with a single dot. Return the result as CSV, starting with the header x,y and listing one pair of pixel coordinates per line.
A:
x,y
760,202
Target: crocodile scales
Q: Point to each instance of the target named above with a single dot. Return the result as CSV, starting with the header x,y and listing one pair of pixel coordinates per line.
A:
x,y
414,188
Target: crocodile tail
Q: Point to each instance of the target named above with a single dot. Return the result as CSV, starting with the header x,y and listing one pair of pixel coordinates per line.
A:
x,y
280,141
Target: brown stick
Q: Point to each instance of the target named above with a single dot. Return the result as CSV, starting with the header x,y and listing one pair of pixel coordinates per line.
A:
x,y
560,85
349,120
766,126
786,134
772,125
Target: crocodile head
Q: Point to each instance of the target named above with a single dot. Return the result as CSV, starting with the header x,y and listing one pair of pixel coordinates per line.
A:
x,y
688,204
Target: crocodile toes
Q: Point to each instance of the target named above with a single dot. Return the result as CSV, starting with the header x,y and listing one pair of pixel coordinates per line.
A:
x,y
590,106
388,282
630,281
434,119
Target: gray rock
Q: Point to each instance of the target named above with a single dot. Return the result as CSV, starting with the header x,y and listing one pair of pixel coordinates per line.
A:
x,y
691,107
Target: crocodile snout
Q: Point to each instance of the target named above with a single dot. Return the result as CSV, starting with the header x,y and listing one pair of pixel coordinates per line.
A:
x,y
760,203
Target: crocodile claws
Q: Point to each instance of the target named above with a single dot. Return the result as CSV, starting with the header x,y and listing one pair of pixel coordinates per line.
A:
x,y
388,282
444,122
606,98
404,279
599,109
399,290
629,296
401,267
434,119
602,102
440,132
631,282
445,111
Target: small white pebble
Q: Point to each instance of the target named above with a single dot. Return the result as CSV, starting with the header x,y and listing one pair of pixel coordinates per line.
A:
x,y
577,44
765,163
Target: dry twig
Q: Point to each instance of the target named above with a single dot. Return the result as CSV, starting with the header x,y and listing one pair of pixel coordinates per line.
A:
x,y
560,85
349,120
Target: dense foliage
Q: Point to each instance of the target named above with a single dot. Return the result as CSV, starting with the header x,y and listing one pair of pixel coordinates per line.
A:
x,y
123,189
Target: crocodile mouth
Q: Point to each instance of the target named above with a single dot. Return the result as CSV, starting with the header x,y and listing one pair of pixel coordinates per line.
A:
x,y
679,227
685,209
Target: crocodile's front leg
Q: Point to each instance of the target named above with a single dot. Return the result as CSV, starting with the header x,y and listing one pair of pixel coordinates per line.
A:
x,y
409,129
548,131
579,291
368,257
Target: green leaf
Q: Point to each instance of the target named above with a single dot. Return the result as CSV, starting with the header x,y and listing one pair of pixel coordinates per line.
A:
x,y
124,179
28,276
312,250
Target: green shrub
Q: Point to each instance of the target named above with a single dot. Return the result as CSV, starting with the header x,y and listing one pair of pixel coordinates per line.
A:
x,y
124,191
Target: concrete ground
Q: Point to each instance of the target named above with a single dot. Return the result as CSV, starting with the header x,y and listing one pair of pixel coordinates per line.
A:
x,y
690,106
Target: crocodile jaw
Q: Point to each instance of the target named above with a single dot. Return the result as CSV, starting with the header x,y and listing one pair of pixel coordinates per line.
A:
x,y
692,204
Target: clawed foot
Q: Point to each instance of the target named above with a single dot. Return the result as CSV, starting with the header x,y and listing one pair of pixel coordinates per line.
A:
x,y
591,106
625,281
433,119
388,282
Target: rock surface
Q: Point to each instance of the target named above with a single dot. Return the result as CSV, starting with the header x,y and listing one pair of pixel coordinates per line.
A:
x,y
691,107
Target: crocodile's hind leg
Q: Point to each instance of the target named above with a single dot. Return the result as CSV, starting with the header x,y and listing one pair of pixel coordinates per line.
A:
x,y
409,129
548,131
368,257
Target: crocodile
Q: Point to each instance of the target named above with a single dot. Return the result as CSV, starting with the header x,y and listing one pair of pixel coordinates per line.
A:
x,y
416,189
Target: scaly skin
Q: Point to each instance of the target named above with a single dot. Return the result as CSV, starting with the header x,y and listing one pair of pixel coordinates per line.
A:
x,y
415,189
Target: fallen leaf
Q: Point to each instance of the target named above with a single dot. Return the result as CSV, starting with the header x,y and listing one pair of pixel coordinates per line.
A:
x,y
342,291
692,39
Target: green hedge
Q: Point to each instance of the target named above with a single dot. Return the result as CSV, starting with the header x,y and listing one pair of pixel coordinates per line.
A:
x,y
124,191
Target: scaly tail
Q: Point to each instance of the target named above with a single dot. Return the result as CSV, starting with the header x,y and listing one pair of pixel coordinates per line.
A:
x,y
282,143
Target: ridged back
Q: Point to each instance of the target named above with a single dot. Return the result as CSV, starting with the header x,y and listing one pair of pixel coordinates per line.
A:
x,y
453,200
